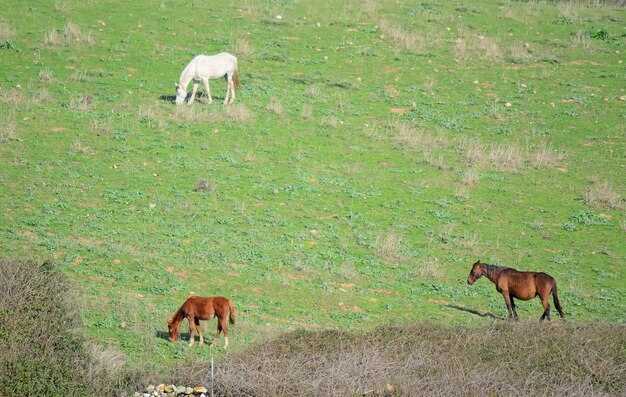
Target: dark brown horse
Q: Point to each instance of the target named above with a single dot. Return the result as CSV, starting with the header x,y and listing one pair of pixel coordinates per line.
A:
x,y
198,308
521,285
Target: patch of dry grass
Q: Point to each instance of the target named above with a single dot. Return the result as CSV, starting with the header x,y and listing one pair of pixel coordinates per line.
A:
x,y
471,45
470,177
410,137
7,32
545,156
237,113
8,130
402,38
388,248
243,48
275,106
519,53
603,195
69,36
569,10
509,157
192,114
307,112
14,97
313,91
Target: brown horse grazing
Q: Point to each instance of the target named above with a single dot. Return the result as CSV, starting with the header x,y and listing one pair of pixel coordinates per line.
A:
x,y
198,308
521,285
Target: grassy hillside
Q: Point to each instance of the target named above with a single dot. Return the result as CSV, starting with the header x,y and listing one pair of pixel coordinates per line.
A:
x,y
375,151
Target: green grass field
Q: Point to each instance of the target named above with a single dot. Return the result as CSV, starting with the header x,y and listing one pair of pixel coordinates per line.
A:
x,y
375,151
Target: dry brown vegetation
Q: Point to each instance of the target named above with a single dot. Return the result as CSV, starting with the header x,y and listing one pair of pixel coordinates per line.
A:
x,y
68,36
243,47
199,114
6,31
496,359
471,45
602,195
388,247
509,157
402,38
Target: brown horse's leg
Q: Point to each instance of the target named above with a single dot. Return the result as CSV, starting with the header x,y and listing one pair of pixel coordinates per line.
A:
x,y
507,299
546,307
217,334
199,329
513,307
191,320
224,326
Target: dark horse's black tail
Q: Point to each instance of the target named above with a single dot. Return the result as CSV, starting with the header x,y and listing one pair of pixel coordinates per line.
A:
x,y
557,304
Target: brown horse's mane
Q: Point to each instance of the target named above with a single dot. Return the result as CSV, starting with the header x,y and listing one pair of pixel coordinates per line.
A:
x,y
179,315
491,269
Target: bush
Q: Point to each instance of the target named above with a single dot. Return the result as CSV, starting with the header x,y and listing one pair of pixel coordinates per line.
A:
x,y
498,359
41,354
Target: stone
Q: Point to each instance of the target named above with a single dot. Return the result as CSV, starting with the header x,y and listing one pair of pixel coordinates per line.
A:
x,y
150,389
169,388
200,390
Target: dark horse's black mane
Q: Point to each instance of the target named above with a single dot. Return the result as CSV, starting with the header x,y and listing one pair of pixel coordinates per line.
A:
x,y
491,268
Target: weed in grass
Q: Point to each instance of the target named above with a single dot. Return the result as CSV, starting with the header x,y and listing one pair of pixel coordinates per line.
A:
x,y
588,218
205,186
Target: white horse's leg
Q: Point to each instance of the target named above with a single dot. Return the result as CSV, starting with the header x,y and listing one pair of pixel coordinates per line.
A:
x,y
228,80
232,92
193,93
208,90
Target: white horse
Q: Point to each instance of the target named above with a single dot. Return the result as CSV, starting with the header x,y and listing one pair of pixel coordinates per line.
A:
x,y
203,68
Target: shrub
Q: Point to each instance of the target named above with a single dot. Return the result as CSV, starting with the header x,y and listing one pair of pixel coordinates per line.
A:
x,y
500,358
41,354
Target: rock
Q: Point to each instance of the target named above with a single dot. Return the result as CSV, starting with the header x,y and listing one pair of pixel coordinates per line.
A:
x,y
200,390
150,389
189,390
169,388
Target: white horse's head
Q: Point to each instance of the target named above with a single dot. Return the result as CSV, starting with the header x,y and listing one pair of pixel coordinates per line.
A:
x,y
181,94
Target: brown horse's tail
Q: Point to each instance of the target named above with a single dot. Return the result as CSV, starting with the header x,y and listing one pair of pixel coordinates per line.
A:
x,y
232,315
557,304
236,78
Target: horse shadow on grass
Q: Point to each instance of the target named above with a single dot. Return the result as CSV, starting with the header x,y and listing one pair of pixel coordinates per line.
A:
x,y
166,336
200,97
168,98
471,311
